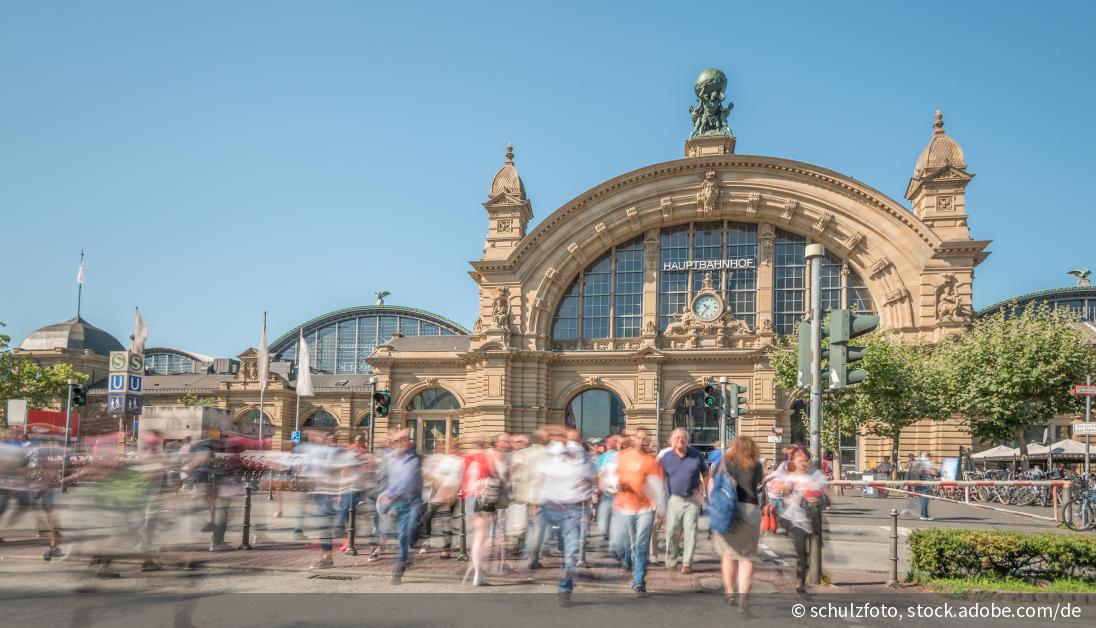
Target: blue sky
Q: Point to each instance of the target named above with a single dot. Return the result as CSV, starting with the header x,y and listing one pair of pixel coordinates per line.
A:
x,y
218,159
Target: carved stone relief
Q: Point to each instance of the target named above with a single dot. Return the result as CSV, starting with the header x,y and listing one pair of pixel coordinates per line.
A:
x,y
950,307
707,199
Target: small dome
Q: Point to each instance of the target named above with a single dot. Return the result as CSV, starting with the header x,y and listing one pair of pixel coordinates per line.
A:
x,y
75,333
506,180
941,151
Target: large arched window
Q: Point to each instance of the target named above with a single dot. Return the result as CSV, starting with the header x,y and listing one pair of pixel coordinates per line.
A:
x,y
321,420
595,413
678,280
606,300
701,421
842,287
248,423
431,422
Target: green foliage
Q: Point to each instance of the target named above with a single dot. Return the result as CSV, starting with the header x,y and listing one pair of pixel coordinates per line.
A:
x,y
903,386
192,400
23,378
960,586
1010,373
956,553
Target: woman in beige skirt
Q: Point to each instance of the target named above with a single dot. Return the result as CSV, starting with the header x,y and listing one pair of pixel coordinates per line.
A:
x,y
737,547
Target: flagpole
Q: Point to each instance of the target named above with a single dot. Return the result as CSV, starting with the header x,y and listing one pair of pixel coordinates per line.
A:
x,y
297,416
262,389
80,286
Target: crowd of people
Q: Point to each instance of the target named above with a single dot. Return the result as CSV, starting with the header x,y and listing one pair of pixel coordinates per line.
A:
x,y
511,499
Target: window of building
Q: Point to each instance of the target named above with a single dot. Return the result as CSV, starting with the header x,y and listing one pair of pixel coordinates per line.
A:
x,y
321,420
789,281
673,285
741,285
167,364
434,399
595,413
606,299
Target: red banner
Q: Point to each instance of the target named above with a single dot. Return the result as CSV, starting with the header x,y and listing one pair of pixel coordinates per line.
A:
x,y
51,423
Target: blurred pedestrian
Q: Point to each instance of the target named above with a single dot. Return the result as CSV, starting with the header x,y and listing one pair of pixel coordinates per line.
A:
x,y
804,498
639,494
737,548
686,475
403,497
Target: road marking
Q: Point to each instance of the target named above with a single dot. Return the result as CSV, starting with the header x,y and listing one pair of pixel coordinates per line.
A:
x,y
901,530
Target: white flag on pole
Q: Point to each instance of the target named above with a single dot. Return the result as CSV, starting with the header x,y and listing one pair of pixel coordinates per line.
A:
x,y
80,274
140,334
304,370
264,358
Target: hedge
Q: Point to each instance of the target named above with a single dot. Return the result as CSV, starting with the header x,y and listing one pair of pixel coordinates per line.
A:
x,y
957,553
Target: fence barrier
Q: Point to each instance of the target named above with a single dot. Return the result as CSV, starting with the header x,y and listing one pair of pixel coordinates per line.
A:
x,y
891,485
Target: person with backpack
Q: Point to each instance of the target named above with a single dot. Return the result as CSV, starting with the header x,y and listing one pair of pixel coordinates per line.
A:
x,y
736,526
484,493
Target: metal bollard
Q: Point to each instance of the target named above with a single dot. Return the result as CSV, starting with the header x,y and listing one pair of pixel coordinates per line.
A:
x,y
893,581
245,543
463,532
352,516
583,532
270,491
966,491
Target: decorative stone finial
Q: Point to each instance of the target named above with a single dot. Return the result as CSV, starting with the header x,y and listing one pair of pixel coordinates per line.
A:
x,y
938,124
510,153
710,116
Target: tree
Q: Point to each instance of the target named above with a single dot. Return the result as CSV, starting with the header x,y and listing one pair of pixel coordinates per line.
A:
x,y
192,400
23,378
903,387
1014,370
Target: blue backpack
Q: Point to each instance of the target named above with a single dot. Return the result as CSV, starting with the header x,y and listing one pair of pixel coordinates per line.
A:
x,y
723,503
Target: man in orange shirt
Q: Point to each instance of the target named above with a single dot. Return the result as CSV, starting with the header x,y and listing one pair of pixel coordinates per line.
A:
x,y
640,491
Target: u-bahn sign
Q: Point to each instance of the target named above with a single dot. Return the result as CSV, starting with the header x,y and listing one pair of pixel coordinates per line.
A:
x,y
124,383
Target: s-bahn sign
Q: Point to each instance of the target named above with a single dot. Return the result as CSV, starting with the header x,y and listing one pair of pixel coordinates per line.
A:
x,y
738,263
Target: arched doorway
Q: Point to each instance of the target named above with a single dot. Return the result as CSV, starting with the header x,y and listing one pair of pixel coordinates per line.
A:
x,y
247,424
595,413
433,420
701,421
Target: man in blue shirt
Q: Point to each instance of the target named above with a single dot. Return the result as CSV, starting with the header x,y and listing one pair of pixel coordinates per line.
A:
x,y
403,496
685,471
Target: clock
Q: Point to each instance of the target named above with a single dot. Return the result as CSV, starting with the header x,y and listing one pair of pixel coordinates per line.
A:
x,y
707,307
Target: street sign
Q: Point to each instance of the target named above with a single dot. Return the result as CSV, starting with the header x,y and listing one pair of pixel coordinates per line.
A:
x,y
116,403
136,363
296,438
133,404
1085,390
133,384
118,360
1084,429
774,439
17,411
116,383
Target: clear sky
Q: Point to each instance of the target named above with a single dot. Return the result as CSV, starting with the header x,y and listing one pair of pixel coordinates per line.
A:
x,y
218,159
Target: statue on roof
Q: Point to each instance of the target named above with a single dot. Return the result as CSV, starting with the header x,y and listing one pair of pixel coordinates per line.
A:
x,y
1082,275
710,116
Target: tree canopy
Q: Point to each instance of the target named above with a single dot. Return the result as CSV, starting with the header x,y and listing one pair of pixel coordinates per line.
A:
x,y
23,378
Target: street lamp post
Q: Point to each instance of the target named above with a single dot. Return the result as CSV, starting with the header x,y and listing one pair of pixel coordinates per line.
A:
x,y
723,412
68,428
814,253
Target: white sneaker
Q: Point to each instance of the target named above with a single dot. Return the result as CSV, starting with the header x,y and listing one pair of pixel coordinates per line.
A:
x,y
927,519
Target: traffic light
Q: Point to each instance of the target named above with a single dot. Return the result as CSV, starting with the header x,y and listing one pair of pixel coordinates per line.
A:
x,y
803,375
709,396
79,395
843,327
738,402
381,400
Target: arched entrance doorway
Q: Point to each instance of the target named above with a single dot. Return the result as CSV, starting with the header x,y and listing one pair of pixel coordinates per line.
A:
x,y
595,413
433,420
701,421
321,420
247,424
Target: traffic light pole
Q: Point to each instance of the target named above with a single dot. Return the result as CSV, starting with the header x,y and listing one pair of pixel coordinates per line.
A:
x,y
372,415
68,427
724,404
814,253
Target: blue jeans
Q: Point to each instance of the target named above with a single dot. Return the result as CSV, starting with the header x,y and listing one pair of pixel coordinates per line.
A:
x,y
406,512
568,518
924,490
326,511
604,514
631,542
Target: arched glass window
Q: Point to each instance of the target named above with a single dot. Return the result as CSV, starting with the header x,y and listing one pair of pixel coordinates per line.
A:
x,y
707,242
606,300
701,421
341,347
248,423
841,286
322,420
595,413
167,364
434,399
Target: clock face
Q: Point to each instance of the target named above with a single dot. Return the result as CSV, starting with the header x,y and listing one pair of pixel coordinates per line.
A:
x,y
707,308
